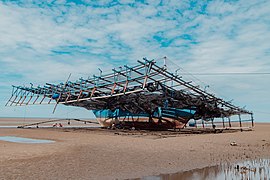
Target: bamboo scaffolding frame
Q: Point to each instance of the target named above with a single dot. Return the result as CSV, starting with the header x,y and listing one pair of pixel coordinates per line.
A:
x,y
129,82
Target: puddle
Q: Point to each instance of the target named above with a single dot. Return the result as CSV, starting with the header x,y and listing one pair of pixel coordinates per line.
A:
x,y
8,127
24,140
255,169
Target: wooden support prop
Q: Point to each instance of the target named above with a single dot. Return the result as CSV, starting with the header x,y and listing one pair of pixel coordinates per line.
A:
x,y
240,120
63,88
18,101
53,92
69,94
49,102
230,125
36,99
8,100
13,100
252,120
125,87
29,99
212,122
223,122
113,88
23,99
93,91
13,92
57,102
42,99
144,82
21,95
79,95
202,123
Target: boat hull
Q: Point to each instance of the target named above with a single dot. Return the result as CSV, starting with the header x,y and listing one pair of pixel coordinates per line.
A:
x,y
162,118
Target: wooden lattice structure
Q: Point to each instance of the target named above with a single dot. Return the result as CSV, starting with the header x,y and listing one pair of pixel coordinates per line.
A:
x,y
141,88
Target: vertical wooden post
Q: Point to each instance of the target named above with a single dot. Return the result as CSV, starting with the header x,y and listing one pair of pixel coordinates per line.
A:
x,y
240,120
202,123
223,122
230,125
147,68
252,120
212,122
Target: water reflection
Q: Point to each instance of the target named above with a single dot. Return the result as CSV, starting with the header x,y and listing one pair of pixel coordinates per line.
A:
x,y
23,140
254,169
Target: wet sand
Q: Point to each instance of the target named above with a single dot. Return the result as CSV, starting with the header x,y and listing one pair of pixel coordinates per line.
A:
x,y
106,154
249,169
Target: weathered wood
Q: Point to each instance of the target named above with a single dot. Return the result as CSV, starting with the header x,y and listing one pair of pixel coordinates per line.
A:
x,y
140,88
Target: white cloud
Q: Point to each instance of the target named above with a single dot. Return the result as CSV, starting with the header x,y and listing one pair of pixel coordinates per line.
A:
x,y
226,37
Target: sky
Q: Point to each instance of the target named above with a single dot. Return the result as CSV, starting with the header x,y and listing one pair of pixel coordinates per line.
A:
x,y
44,41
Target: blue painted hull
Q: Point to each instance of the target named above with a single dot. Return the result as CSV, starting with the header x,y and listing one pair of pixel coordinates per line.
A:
x,y
166,117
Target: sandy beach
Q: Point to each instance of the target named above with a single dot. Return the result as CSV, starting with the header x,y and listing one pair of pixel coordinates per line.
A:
x,y
107,154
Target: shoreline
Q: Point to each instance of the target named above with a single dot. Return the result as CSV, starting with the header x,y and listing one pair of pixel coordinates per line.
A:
x,y
102,154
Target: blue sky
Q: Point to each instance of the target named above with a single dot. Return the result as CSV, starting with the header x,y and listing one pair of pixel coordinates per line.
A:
x,y
44,41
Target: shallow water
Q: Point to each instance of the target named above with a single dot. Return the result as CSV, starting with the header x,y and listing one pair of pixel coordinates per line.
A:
x,y
8,127
23,140
253,169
